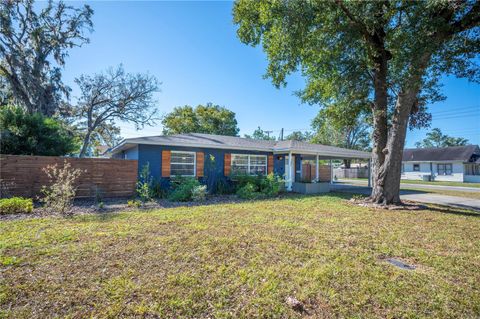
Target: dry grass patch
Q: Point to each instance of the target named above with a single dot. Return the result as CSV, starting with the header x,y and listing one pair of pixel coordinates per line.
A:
x,y
243,260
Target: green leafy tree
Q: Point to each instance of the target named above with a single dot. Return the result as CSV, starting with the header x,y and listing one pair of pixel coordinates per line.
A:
x,y
23,133
260,134
299,136
33,47
208,119
436,138
389,55
352,136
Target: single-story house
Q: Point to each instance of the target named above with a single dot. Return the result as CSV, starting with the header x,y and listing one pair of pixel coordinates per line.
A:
x,y
219,157
457,163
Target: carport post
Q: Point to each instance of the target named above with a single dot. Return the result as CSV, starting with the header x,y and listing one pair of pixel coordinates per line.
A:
x,y
316,170
331,172
369,173
289,183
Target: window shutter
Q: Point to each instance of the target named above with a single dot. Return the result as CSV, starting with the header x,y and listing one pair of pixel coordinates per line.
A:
x,y
270,164
166,163
200,165
227,164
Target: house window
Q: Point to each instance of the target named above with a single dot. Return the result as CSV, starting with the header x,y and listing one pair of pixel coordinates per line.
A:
x,y
472,169
182,163
249,164
444,169
416,167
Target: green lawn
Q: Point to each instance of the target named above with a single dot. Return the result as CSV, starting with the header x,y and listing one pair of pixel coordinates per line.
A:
x,y
242,261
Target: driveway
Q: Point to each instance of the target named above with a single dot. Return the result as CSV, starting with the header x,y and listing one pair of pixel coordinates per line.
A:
x,y
416,196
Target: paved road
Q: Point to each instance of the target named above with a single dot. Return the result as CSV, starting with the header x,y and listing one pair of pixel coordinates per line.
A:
x,y
416,196
426,186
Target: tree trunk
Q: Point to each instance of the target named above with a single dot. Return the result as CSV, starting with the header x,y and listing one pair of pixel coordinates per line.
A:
x,y
86,142
347,163
380,131
389,192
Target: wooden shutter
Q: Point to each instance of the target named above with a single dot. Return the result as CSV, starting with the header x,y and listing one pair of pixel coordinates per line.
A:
x,y
200,165
270,164
166,163
227,164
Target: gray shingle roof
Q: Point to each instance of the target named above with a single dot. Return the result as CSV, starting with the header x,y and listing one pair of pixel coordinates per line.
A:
x,y
455,153
234,142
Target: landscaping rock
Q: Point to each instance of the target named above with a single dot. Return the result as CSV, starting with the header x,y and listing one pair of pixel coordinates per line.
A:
x,y
295,304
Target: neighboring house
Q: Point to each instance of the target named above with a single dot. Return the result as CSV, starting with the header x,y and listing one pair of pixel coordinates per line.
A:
x,y
457,163
218,157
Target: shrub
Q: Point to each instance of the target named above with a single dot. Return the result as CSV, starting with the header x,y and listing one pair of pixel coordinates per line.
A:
x,y
58,197
145,184
199,193
222,187
248,191
182,189
16,205
34,134
134,203
271,185
268,186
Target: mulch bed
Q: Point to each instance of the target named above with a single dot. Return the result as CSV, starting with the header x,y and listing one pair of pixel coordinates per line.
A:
x,y
110,205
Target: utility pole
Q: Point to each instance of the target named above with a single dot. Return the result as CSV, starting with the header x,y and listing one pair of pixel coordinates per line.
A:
x,y
281,134
268,133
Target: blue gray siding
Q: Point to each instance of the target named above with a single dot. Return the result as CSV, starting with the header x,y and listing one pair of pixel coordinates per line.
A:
x,y
213,165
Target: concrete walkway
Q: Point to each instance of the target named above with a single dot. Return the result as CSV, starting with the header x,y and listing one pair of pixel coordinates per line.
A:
x,y
425,186
416,196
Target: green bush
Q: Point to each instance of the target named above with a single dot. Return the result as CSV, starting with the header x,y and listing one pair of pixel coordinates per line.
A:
x,y
145,184
265,186
271,185
16,205
199,193
134,203
182,189
34,134
249,191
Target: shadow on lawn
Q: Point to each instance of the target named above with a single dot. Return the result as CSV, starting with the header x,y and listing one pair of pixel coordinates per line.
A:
x,y
464,211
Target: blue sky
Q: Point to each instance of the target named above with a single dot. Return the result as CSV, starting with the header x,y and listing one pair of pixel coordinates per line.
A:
x,y
192,48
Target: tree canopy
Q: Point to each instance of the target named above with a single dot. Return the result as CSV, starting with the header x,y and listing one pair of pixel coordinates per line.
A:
x,y
109,96
33,48
435,138
208,119
260,134
386,55
23,133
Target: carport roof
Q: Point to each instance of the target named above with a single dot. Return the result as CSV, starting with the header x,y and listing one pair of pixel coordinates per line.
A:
x,y
240,143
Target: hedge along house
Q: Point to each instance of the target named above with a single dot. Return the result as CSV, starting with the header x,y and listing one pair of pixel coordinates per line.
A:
x,y
216,157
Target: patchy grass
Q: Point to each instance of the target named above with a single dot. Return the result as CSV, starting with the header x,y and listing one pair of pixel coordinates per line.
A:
x,y
243,260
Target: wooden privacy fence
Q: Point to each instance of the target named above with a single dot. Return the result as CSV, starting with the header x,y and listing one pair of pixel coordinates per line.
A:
x,y
309,172
24,175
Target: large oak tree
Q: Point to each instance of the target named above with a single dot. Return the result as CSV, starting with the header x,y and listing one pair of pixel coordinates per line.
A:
x,y
33,46
389,55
